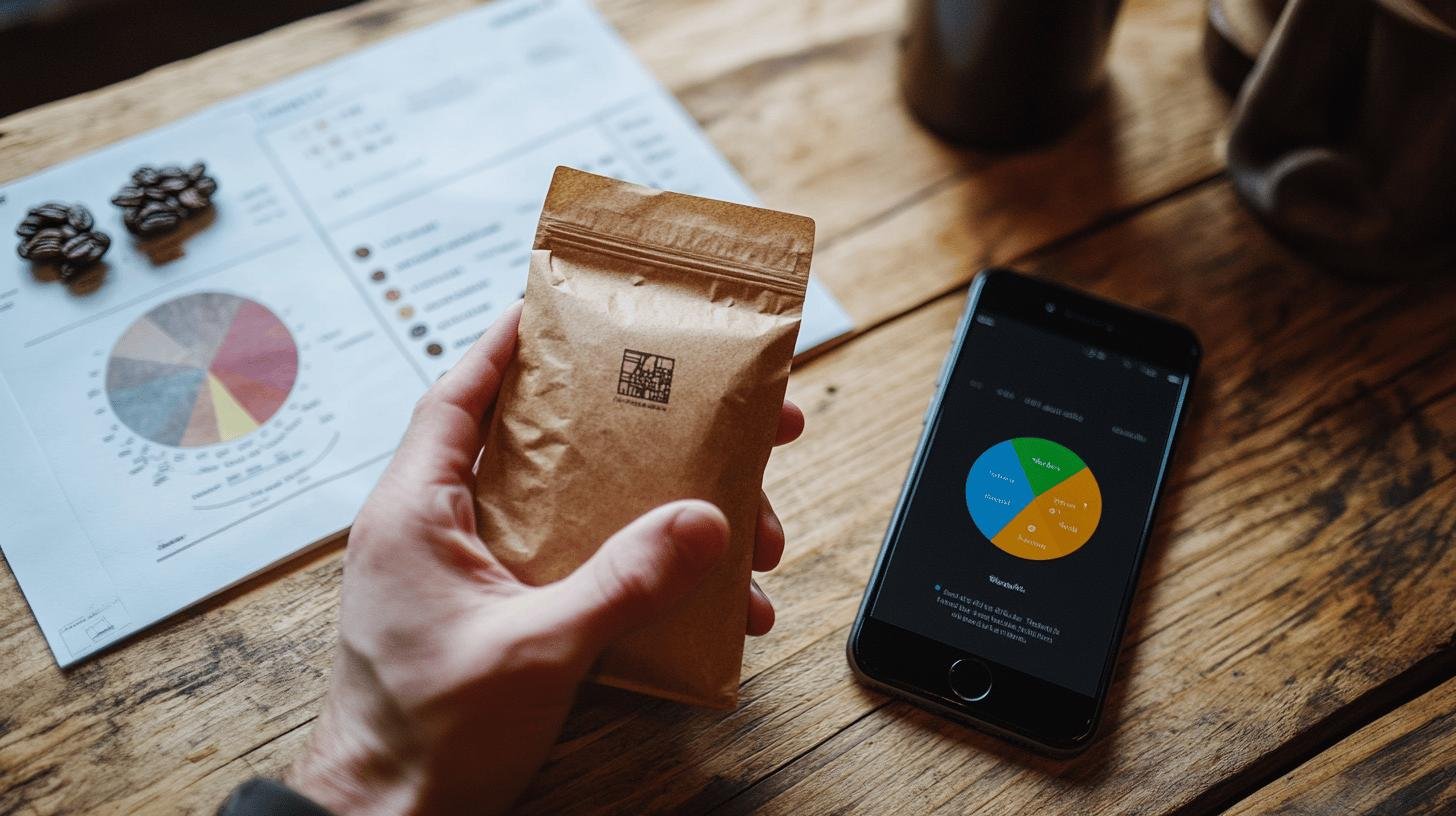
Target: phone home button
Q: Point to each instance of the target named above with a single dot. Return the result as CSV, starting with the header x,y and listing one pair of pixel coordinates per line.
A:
x,y
970,680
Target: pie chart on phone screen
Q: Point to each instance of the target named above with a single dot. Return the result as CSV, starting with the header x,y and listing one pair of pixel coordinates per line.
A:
x,y
201,369
1033,498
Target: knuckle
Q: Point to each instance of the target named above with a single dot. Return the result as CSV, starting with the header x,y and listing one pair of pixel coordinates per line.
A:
x,y
427,404
623,583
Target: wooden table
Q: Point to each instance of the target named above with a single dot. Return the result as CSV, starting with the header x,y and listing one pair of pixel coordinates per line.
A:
x,y
1294,642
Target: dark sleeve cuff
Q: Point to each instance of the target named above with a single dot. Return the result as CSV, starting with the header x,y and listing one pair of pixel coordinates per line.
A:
x,y
267,797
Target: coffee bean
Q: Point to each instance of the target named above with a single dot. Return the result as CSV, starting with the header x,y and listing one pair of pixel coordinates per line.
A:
x,y
196,171
69,271
46,244
129,197
52,212
80,219
156,220
145,177
85,249
174,184
193,199
30,226
205,185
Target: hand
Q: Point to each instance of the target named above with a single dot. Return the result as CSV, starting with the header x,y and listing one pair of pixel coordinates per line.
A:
x,y
452,678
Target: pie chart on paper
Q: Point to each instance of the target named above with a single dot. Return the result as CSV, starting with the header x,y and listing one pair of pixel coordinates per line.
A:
x,y
201,369
1033,498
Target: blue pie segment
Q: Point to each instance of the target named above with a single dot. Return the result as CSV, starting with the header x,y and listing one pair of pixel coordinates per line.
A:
x,y
997,488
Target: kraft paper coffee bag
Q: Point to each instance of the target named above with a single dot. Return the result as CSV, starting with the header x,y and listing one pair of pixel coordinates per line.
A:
x,y
653,356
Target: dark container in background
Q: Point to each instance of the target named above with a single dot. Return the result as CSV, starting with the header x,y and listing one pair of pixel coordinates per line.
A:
x,y
1004,74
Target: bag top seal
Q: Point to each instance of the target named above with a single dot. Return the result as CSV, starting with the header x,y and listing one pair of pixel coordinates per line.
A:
x,y
767,241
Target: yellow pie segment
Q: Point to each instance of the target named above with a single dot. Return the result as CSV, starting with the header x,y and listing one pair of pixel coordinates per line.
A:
x,y
232,420
1056,523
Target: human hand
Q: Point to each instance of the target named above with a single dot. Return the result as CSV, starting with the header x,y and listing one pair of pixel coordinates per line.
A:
x,y
452,678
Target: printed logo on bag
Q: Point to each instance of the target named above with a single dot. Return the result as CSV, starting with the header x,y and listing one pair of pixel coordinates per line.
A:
x,y
645,376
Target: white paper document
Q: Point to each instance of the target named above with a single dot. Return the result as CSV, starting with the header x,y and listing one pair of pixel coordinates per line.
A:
x,y
209,403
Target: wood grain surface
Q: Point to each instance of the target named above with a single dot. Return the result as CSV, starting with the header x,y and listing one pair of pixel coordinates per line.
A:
x,y
1404,763
1298,592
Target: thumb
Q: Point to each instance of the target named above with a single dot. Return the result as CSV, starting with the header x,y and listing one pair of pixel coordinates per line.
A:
x,y
646,567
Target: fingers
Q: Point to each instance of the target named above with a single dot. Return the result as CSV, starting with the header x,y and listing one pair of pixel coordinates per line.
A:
x,y
472,383
443,437
768,539
760,610
791,424
645,568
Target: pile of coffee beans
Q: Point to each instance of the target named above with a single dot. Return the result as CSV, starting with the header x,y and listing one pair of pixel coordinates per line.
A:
x,y
159,199
63,235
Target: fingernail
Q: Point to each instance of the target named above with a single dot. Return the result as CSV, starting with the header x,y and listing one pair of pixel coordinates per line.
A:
x,y
760,591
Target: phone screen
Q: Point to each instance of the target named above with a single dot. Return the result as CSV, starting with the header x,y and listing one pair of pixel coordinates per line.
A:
x,y
1023,530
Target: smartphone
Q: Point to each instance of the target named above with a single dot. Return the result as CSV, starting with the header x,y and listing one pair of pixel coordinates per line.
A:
x,y
1003,586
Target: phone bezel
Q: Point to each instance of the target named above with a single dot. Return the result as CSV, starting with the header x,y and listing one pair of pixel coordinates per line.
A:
x,y
1035,712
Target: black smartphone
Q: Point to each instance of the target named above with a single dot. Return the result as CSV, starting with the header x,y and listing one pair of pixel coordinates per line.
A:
x,y
1003,586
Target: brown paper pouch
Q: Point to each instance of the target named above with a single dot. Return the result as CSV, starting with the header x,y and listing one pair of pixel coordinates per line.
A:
x,y
653,356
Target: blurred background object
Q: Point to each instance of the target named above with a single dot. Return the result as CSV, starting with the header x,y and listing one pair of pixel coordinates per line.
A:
x,y
1004,74
1343,138
1234,33
51,49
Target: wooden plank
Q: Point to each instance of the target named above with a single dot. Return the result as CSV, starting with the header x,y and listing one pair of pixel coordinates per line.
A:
x,y
1404,763
802,98
1304,557
163,717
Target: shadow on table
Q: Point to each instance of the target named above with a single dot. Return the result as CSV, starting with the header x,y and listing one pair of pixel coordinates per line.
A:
x,y
1015,204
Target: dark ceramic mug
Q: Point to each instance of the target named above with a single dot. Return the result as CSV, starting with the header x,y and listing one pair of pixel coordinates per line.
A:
x,y
1004,74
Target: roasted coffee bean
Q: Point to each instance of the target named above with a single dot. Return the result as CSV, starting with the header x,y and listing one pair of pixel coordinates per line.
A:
x,y
145,177
46,244
156,218
129,197
174,184
85,249
196,171
205,185
69,271
193,199
80,219
52,212
30,226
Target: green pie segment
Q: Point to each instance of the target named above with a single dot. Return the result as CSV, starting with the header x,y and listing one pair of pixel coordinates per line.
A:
x,y
201,369
1046,463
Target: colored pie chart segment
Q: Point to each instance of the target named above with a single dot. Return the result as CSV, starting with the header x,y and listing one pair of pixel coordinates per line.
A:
x,y
201,369
1033,498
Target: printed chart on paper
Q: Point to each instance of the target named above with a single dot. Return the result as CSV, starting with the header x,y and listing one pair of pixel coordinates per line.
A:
x,y
217,400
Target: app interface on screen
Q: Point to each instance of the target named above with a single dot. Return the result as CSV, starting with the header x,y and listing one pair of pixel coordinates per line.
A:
x,y
1019,543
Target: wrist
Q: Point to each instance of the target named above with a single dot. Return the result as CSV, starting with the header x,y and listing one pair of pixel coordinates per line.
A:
x,y
350,773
